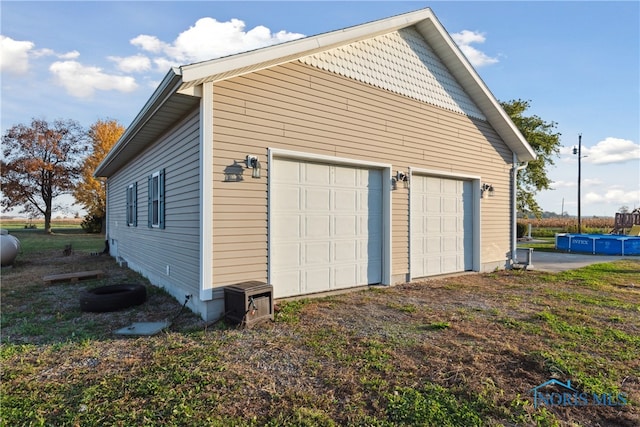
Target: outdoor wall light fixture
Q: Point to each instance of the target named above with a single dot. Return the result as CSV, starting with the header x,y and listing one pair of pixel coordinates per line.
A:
x,y
254,163
487,188
402,177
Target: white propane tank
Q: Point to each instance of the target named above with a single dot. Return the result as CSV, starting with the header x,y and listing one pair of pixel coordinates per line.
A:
x,y
9,247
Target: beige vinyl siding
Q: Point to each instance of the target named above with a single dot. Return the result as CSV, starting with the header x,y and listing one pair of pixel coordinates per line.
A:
x,y
400,233
150,250
301,108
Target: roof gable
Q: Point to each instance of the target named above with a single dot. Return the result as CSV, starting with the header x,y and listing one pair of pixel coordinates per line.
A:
x,y
452,81
401,62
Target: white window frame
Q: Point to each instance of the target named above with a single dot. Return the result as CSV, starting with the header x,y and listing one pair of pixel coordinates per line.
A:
x,y
132,205
156,200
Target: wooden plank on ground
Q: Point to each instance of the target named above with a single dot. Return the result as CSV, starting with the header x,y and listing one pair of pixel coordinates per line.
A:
x,y
73,277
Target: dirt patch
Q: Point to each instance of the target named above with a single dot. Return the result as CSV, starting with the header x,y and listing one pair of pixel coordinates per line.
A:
x,y
38,313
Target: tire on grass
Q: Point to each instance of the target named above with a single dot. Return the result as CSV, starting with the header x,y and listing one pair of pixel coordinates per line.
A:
x,y
112,298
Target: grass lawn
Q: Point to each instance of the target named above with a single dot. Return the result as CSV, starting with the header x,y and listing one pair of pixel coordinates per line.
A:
x,y
542,244
456,351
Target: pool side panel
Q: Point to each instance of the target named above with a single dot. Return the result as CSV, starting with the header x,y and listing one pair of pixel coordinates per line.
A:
x,y
598,244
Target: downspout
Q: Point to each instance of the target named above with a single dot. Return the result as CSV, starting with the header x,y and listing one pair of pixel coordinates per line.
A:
x,y
514,208
106,249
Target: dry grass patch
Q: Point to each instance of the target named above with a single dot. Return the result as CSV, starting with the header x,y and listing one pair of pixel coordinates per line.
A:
x,y
455,351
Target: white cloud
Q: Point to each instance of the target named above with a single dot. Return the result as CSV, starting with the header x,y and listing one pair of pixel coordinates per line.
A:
x,y
82,81
615,196
591,182
209,39
131,64
74,54
465,39
14,55
149,43
563,184
38,53
612,150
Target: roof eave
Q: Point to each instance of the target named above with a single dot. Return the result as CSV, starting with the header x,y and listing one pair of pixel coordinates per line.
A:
x,y
165,89
221,68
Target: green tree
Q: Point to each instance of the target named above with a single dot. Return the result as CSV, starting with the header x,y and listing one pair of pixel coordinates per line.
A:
x,y
90,191
545,141
40,162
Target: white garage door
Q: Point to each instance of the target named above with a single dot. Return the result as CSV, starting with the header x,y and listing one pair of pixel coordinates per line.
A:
x,y
326,227
441,226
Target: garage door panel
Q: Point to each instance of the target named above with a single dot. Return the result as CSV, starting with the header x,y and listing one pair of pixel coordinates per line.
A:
x,y
287,171
289,224
345,251
339,210
290,198
433,224
433,204
345,275
316,279
432,185
450,263
417,245
288,252
450,186
449,205
433,244
345,201
345,226
433,265
316,199
345,177
449,225
450,244
288,282
441,225
317,226
317,253
316,174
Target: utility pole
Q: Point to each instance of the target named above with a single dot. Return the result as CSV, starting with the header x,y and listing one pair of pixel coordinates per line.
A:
x,y
578,151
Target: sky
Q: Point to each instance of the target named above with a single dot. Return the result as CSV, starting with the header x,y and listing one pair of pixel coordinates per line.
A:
x,y
577,63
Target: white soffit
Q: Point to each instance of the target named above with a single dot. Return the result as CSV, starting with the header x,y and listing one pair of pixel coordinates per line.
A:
x,y
401,62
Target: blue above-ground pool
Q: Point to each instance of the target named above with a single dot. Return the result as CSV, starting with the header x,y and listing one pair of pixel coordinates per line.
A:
x,y
600,244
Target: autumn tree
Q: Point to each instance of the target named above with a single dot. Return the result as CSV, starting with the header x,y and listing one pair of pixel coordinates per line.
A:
x,y
40,162
545,142
90,192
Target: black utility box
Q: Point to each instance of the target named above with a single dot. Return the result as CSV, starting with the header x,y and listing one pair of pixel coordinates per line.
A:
x,y
248,303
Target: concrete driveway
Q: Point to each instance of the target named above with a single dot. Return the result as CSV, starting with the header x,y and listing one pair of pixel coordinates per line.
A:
x,y
557,261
